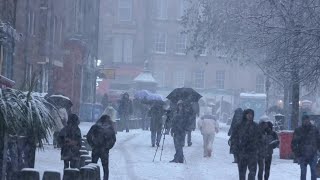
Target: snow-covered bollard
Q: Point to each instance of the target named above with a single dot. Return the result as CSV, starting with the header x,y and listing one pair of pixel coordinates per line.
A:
x,y
71,174
30,174
83,159
83,148
84,152
51,175
97,169
87,173
86,162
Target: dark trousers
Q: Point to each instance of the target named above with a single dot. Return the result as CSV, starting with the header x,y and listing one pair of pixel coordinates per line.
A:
x,y
73,164
124,122
155,137
313,167
178,139
264,165
244,162
103,154
188,134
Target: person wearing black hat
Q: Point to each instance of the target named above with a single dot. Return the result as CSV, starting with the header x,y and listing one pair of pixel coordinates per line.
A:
x,y
246,140
305,144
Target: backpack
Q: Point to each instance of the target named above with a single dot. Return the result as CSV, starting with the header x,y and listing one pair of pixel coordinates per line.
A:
x,y
102,137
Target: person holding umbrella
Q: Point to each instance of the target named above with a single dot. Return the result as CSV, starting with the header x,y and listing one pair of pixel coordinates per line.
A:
x,y
178,130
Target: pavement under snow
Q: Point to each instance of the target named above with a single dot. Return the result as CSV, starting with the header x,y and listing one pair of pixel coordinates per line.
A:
x,y
131,159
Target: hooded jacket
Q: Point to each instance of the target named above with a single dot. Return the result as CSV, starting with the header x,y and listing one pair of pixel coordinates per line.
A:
x,y
246,137
102,134
208,125
269,139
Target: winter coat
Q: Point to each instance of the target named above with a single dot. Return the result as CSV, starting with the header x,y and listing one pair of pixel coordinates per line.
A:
x,y
155,113
190,114
237,117
70,142
269,140
246,138
125,107
305,142
102,135
180,122
208,126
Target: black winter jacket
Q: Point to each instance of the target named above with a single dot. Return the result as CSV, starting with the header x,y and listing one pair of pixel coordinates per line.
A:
x,y
305,142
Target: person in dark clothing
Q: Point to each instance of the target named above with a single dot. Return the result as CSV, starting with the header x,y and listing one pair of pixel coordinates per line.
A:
x,y
193,111
246,140
269,142
102,137
180,125
237,117
155,113
305,144
125,110
70,142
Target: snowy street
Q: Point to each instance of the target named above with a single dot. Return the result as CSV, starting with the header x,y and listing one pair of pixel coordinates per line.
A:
x,y
131,158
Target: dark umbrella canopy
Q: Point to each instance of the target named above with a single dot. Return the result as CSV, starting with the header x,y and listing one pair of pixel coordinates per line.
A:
x,y
60,101
185,94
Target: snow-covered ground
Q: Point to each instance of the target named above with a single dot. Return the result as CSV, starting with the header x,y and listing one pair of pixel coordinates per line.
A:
x,y
131,158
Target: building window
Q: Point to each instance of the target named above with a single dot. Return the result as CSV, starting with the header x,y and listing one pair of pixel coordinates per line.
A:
x,y
160,42
161,9
179,79
31,23
220,77
61,32
260,84
183,7
125,10
53,31
122,49
198,79
181,44
160,78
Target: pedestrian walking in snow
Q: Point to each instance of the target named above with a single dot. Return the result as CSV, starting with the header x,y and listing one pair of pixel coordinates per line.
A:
x,y
246,140
155,113
180,125
101,137
125,111
208,126
237,117
305,144
193,111
269,142
70,142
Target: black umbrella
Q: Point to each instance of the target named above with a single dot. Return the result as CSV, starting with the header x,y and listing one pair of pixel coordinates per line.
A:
x,y
60,101
185,94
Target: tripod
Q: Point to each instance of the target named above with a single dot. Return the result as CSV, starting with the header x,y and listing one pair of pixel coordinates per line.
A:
x,y
163,132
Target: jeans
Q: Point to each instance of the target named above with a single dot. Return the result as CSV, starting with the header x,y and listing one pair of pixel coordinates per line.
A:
x,y
155,137
250,162
103,154
178,139
313,167
264,165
